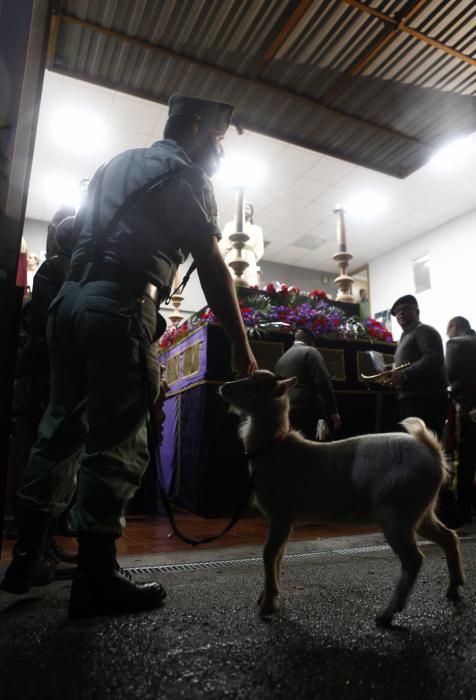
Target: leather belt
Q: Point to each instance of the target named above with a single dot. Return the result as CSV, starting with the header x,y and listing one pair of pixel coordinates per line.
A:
x,y
110,272
153,293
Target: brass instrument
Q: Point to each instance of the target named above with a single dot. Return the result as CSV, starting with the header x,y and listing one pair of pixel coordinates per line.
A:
x,y
381,377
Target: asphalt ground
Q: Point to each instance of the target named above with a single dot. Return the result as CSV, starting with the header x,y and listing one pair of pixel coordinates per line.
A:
x,y
208,640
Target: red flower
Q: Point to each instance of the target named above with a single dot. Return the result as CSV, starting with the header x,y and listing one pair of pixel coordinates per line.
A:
x,y
284,289
270,288
295,290
318,293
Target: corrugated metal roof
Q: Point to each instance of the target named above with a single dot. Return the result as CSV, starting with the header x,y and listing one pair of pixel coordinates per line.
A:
x,y
379,83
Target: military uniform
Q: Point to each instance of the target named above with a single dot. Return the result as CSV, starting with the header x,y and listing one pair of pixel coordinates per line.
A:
x,y
96,417
146,209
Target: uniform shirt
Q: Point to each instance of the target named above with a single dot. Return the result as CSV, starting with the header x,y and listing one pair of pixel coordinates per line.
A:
x,y
313,382
162,223
461,366
421,345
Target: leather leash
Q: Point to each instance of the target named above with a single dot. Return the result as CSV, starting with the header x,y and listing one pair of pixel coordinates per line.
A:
x,y
156,443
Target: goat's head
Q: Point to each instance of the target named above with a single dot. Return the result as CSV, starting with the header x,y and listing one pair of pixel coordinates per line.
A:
x,y
256,393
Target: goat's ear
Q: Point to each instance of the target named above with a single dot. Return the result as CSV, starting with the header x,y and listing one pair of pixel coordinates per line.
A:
x,y
284,385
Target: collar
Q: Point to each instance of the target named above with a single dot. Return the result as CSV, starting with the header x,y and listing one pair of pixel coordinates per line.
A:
x,y
299,342
261,451
173,145
413,325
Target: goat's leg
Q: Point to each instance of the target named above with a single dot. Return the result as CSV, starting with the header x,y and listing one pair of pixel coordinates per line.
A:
x,y
401,537
279,559
431,528
273,551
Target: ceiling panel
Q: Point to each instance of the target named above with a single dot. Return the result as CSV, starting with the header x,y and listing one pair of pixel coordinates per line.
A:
x,y
288,203
379,83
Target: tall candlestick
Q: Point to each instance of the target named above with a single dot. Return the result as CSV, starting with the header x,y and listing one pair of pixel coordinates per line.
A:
x,y
177,278
340,227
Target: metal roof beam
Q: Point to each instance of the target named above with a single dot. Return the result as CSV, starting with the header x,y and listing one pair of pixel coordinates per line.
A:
x,y
386,37
403,27
309,101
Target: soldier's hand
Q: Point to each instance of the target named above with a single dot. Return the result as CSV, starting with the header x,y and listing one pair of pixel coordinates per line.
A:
x,y
245,361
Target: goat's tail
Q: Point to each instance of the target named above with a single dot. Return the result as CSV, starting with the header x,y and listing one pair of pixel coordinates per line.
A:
x,y
418,430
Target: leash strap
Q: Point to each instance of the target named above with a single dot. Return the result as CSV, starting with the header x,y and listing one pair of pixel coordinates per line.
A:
x,y
156,444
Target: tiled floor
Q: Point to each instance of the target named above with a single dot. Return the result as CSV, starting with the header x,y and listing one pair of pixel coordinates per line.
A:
x,y
144,536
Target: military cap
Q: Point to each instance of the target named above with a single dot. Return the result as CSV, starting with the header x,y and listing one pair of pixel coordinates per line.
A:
x,y
216,115
405,299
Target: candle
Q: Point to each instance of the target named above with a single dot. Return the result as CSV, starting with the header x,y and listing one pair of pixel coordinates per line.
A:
x,y
340,226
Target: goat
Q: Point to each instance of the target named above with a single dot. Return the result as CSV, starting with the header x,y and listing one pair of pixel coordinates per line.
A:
x,y
395,477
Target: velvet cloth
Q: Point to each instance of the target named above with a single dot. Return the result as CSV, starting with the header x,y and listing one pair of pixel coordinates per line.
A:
x,y
202,462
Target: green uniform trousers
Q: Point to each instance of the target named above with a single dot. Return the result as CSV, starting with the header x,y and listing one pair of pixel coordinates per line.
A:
x,y
93,433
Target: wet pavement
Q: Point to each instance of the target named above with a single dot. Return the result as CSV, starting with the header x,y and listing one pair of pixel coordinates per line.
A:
x,y
208,640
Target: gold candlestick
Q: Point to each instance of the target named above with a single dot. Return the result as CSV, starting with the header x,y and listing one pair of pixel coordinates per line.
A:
x,y
343,281
239,240
176,317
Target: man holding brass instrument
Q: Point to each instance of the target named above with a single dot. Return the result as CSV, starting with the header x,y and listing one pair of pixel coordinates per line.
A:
x,y
421,386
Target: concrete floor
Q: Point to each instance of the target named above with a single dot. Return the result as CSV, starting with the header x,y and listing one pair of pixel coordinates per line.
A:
x,y
209,642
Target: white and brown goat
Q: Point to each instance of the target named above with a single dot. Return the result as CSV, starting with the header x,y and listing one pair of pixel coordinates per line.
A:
x,y
394,477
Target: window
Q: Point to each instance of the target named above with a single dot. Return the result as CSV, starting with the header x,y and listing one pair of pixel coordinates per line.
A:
x,y
421,273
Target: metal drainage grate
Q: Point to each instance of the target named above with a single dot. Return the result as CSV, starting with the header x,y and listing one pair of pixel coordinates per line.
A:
x,y
231,563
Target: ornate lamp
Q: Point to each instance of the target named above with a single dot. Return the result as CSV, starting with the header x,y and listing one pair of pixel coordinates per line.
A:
x,y
176,317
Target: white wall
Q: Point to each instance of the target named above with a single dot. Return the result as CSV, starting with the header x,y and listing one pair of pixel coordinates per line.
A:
x,y
35,232
452,251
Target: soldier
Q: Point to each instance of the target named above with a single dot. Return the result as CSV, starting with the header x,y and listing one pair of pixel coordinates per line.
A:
x,y
146,210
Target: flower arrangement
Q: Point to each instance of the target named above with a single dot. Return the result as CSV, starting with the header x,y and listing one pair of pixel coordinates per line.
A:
x,y
278,307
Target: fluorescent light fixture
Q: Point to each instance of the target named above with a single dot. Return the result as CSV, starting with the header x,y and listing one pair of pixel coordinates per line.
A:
x,y
240,171
366,205
78,131
454,153
61,189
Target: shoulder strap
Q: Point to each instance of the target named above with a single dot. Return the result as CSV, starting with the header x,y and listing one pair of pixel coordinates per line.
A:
x,y
101,234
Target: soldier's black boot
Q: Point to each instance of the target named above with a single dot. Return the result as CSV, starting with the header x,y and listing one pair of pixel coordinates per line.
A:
x,y
29,566
100,587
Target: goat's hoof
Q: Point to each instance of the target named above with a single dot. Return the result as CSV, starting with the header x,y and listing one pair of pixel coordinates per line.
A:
x,y
268,609
452,593
384,618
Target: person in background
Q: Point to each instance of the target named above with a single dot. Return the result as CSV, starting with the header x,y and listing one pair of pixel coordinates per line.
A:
x,y
32,381
364,303
461,368
422,386
312,399
146,210
59,215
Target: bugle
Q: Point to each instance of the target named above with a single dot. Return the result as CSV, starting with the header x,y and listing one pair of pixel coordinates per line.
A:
x,y
381,376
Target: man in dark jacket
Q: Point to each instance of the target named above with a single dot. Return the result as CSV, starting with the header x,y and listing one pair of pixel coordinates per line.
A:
x,y
312,398
422,386
146,210
461,367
